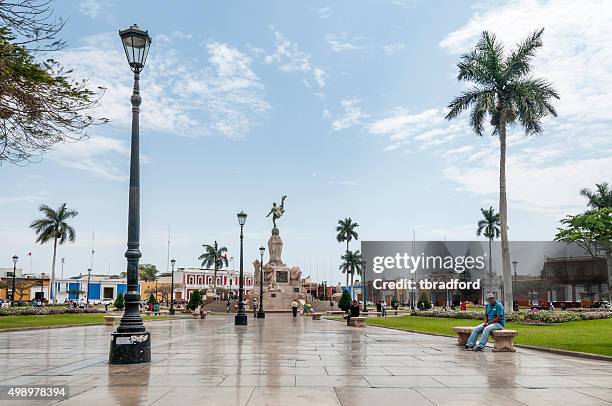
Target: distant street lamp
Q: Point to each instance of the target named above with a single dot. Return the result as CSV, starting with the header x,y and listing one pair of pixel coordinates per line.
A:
x,y
88,280
514,264
364,286
15,258
241,318
260,312
171,311
131,343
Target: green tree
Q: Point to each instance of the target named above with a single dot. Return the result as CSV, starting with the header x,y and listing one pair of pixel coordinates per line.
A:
x,y
503,93
41,105
345,301
119,302
195,300
488,226
216,257
351,264
53,227
152,299
423,303
599,199
591,231
147,272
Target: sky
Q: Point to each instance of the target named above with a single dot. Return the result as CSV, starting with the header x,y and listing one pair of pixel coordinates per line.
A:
x,y
338,105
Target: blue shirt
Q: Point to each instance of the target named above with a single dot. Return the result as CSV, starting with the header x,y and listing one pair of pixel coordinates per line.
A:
x,y
494,311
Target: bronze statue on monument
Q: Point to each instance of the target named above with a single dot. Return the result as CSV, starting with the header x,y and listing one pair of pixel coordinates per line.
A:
x,y
277,211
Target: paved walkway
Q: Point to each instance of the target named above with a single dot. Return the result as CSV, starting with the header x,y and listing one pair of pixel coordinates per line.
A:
x,y
285,361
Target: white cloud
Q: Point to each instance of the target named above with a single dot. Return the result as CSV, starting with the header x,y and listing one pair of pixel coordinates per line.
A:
x,y
180,97
352,115
92,8
288,57
96,156
340,43
392,49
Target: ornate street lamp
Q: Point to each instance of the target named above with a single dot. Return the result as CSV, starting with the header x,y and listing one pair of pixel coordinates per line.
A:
x,y
514,264
241,317
364,286
88,281
131,343
171,311
15,258
260,312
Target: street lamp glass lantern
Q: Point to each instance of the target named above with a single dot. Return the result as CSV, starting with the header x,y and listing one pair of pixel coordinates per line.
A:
x,y
514,263
173,261
15,258
262,250
136,43
242,218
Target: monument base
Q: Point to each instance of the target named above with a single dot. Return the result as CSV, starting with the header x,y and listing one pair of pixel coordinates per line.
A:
x,y
130,348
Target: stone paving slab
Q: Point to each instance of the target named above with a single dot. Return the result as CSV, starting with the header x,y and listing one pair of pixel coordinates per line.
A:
x,y
286,361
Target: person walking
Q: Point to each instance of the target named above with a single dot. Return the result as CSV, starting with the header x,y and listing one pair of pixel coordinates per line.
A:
x,y
254,307
383,306
156,309
294,307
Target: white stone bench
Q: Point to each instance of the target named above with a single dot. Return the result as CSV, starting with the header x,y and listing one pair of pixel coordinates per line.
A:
x,y
357,321
502,339
196,315
110,320
334,312
316,316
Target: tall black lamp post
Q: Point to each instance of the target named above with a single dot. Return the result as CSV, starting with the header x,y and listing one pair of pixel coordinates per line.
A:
x,y
241,317
88,281
15,259
260,312
171,311
514,264
364,286
131,343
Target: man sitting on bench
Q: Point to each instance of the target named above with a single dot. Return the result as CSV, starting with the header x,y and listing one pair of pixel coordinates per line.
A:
x,y
495,319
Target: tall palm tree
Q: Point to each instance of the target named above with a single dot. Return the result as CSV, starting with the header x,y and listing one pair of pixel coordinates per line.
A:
x,y
503,93
346,231
599,199
351,264
214,256
488,226
53,226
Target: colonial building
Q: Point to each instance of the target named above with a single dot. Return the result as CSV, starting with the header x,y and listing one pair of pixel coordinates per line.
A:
x,y
187,280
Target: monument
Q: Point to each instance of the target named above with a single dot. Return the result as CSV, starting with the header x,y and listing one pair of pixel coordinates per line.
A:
x,y
281,284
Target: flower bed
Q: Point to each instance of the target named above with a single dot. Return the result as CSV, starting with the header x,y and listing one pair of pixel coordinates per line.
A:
x,y
535,317
41,311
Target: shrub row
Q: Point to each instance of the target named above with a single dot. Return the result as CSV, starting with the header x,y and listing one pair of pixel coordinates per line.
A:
x,y
543,316
41,311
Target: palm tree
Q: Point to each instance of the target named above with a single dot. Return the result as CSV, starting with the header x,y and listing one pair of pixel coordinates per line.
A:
x,y
53,226
214,256
351,264
600,198
489,227
503,93
346,231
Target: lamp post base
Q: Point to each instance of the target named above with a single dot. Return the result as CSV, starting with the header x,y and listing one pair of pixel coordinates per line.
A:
x,y
241,319
130,348
171,311
261,314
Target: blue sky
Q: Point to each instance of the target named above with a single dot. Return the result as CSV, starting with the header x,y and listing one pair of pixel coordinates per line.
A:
x,y
338,105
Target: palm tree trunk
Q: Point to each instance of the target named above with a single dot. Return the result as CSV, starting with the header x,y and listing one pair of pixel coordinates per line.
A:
x,y
490,276
52,292
215,280
503,220
609,265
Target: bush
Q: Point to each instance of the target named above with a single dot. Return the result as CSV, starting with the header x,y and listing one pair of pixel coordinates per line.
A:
x,y
423,303
195,300
45,310
119,302
345,301
152,299
394,302
542,316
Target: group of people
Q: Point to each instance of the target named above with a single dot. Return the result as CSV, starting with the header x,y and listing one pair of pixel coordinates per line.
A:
x,y
306,308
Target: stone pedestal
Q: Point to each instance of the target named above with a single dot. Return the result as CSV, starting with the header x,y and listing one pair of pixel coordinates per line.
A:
x,y
282,284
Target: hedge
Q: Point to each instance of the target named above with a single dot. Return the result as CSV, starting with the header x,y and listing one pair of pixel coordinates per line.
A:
x,y
41,311
542,316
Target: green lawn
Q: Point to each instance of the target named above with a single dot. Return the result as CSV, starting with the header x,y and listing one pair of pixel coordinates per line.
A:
x,y
62,320
592,336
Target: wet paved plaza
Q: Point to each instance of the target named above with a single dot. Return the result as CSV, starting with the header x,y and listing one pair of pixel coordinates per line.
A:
x,y
285,361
